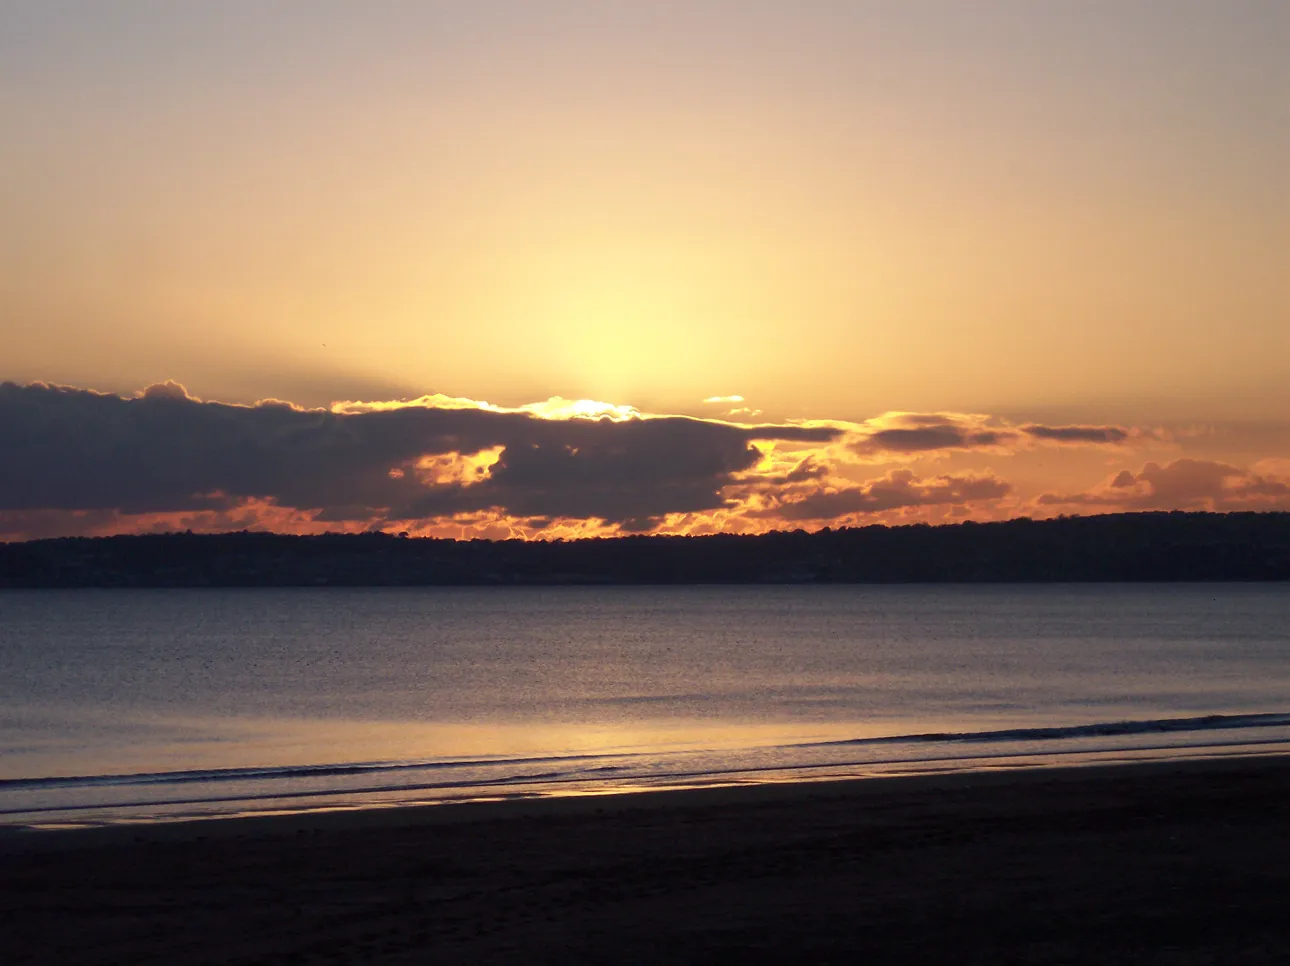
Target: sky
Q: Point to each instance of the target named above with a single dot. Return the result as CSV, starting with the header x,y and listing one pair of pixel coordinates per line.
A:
x,y
555,269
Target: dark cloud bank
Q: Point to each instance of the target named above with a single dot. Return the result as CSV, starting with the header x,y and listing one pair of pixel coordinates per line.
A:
x,y
72,449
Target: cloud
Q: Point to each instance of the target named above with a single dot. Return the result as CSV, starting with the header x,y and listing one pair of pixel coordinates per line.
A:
x,y
724,399
776,471
165,452
169,389
1078,434
1184,484
1272,467
934,437
35,524
904,435
897,490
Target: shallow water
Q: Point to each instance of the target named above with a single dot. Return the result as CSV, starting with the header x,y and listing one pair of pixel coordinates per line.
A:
x,y
146,704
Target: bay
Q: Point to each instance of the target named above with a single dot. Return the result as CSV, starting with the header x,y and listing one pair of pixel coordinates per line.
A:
x,y
153,704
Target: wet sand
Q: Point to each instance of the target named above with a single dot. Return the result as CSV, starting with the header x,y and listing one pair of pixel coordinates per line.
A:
x,y
1174,863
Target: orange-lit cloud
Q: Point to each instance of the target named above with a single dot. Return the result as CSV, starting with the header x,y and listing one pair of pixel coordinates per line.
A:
x,y
896,490
454,469
1184,484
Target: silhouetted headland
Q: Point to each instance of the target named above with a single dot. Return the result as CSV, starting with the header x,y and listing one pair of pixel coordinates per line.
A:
x,y
1114,547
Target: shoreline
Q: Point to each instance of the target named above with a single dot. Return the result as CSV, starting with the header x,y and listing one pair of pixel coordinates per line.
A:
x,y
16,822
917,775
1170,862
15,839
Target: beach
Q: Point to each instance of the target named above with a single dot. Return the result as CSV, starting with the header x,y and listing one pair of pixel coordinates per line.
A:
x,y
1162,862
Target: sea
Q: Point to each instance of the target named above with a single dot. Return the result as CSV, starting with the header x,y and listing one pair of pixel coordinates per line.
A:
x,y
132,706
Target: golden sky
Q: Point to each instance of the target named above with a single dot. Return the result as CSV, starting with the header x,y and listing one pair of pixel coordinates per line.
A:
x,y
984,216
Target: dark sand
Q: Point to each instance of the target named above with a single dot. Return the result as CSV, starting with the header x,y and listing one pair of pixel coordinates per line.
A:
x,y
1160,863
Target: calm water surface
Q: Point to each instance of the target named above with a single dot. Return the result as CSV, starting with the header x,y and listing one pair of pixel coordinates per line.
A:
x,y
219,701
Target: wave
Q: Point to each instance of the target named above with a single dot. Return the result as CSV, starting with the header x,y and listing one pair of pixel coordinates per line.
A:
x,y
287,771
1105,729
487,787
1204,723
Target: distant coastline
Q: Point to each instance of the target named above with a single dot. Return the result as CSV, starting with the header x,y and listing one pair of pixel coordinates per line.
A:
x,y
1130,547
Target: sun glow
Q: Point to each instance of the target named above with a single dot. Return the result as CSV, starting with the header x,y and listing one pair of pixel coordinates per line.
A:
x,y
556,407
461,469
559,408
